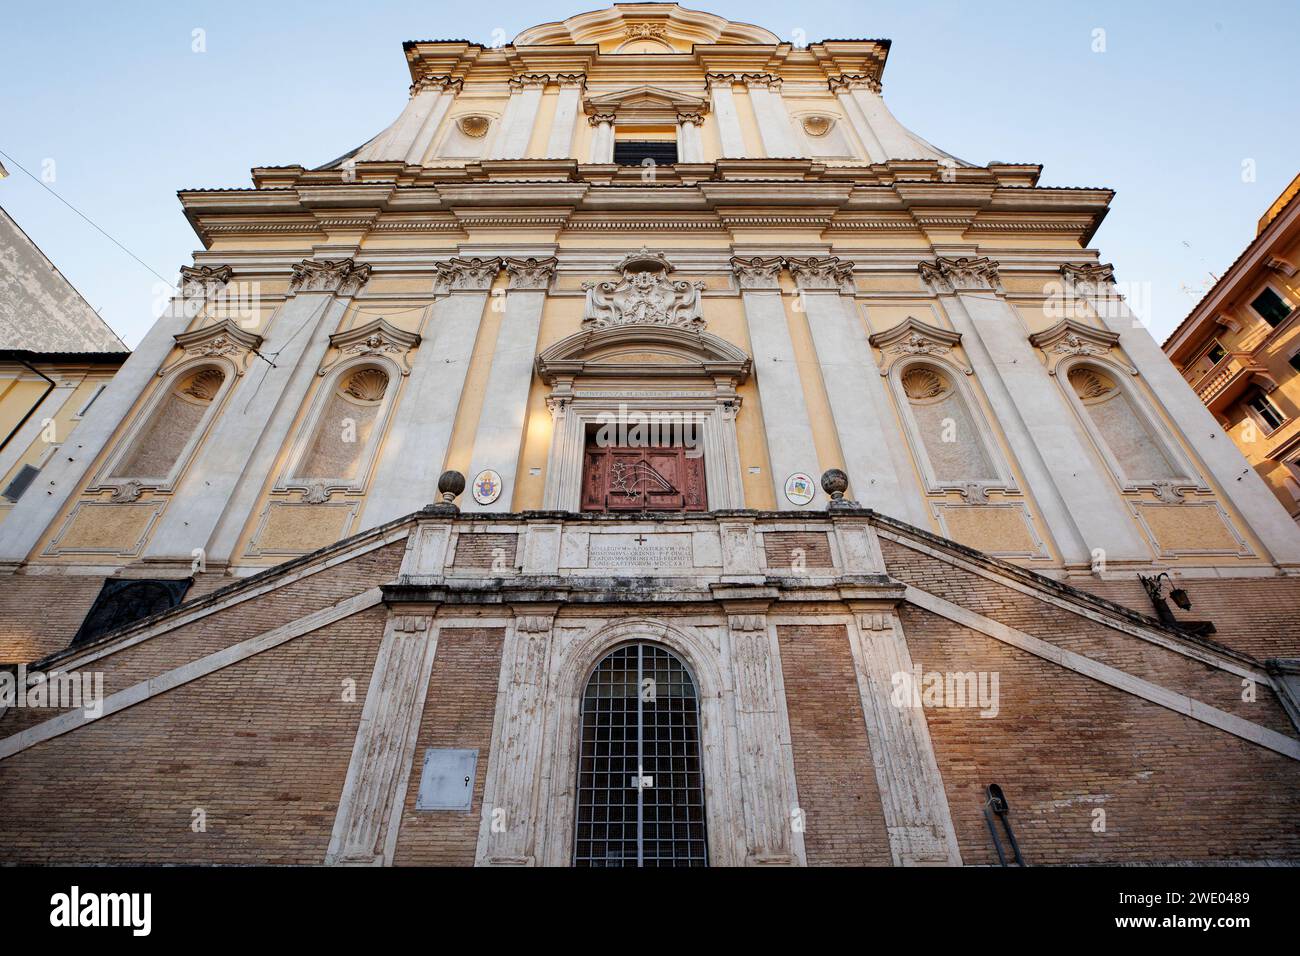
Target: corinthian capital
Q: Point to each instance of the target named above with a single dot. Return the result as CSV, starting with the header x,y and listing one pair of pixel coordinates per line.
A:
x,y
442,84
340,276
531,274
947,276
1094,274
854,81
528,80
763,81
757,272
822,273
202,282
466,275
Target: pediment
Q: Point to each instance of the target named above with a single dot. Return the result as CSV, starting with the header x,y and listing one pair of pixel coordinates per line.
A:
x,y
633,352
914,337
648,104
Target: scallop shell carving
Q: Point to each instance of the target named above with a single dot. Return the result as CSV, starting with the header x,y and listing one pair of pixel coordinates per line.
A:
x,y
922,382
367,385
204,384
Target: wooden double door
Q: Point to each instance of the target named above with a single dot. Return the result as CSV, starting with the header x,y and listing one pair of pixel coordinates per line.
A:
x,y
643,479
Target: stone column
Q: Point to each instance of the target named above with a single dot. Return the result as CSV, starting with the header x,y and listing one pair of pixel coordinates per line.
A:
x,y
500,433
780,389
844,87
1077,499
374,791
511,795
415,453
521,112
1239,481
62,474
774,126
560,143
602,141
690,148
762,730
724,111
912,795
221,488
874,447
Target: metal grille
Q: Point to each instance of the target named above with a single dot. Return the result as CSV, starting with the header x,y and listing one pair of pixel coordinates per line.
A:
x,y
640,787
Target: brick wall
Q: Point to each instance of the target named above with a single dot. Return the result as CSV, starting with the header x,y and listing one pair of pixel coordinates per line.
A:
x,y
263,746
1063,745
458,713
483,550
230,626
832,757
784,547
1073,632
1257,616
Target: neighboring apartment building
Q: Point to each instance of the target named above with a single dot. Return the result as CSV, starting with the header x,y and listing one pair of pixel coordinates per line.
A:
x,y
1240,349
56,356
650,347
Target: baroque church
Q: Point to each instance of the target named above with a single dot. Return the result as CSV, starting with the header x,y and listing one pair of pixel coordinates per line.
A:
x,y
647,451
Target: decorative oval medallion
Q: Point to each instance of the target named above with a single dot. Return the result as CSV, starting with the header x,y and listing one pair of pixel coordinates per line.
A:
x,y
487,487
800,488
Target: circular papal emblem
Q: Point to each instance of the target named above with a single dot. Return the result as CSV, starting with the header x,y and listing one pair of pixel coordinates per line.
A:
x,y
487,486
799,488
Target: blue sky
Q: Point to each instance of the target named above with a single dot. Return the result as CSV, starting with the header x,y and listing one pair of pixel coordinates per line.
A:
x,y
112,99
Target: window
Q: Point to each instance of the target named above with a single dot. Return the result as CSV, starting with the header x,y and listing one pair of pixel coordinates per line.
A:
x,y
640,782
1294,361
1267,413
645,475
1216,353
1128,437
124,601
99,390
21,482
1272,308
636,152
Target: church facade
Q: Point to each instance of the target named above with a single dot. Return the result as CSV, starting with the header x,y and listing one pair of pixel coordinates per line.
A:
x,y
648,451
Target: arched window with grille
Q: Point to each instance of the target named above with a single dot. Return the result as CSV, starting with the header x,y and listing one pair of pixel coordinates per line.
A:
x,y
640,783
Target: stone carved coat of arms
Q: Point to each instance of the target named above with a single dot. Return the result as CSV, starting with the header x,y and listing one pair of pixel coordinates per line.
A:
x,y
644,296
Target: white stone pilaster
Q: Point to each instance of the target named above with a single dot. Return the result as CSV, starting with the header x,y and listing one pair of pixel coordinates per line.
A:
x,y
912,794
521,113
223,483
724,111
1239,481
843,87
500,434
873,446
762,730
63,473
511,796
774,126
415,452
374,791
780,389
440,95
560,143
878,128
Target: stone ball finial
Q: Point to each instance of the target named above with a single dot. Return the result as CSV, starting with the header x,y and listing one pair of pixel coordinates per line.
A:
x,y
835,482
450,485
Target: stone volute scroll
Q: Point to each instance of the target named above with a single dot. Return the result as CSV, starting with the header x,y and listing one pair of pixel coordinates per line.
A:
x,y
644,296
